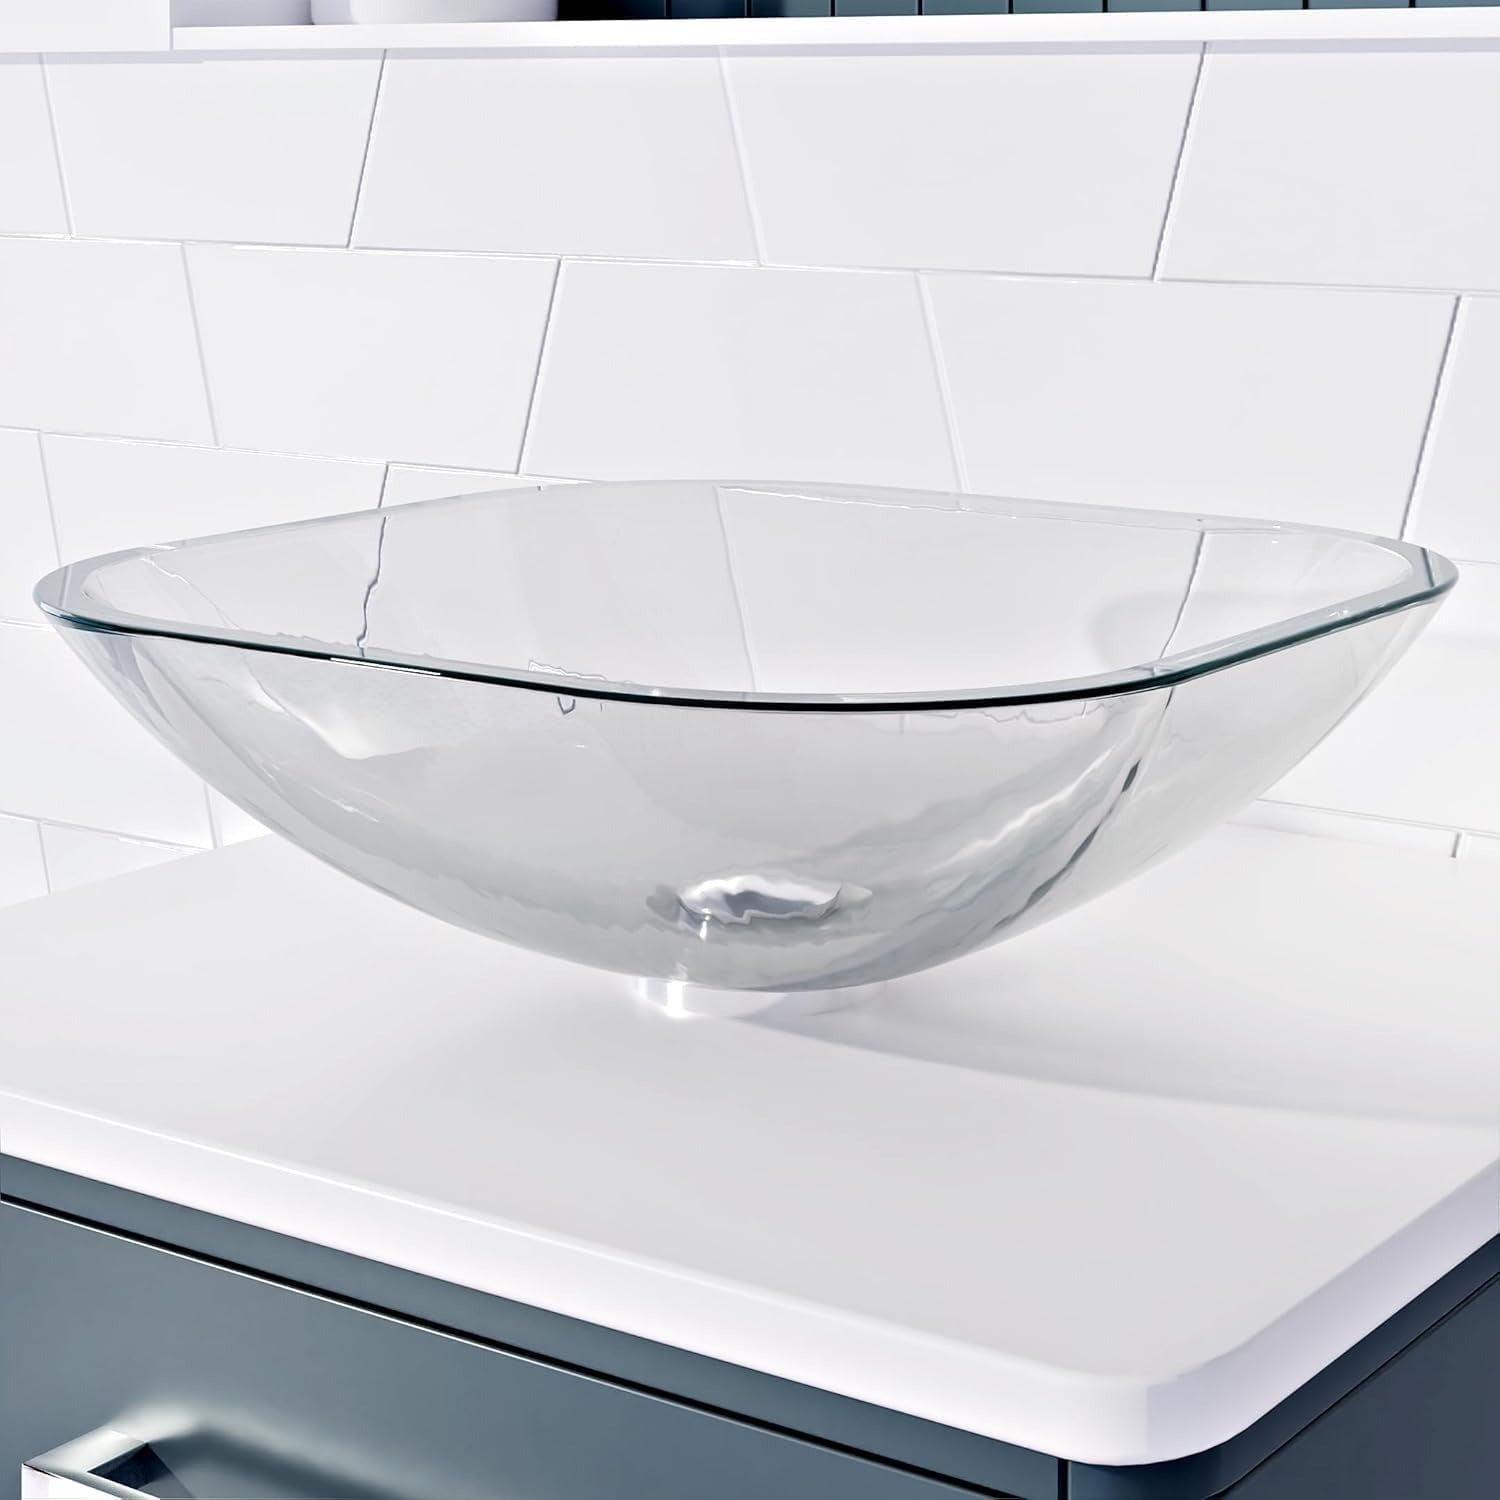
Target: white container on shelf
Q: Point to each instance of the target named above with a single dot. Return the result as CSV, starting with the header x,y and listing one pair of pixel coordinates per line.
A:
x,y
387,12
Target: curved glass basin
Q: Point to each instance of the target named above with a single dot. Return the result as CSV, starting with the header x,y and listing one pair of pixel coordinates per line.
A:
x,y
746,737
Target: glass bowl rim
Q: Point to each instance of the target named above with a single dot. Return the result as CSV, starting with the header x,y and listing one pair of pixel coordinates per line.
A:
x,y
1429,576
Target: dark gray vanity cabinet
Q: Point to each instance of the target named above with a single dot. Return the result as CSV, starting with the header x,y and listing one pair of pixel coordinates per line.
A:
x,y
228,1363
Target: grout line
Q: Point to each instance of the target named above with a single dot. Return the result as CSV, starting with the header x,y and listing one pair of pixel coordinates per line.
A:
x,y
364,460
113,833
737,134
1439,384
541,365
991,273
57,158
41,456
1200,547
192,302
374,583
945,392
41,849
364,160
1182,145
1358,817
214,838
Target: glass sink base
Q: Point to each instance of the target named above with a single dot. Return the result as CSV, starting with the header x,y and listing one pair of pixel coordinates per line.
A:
x,y
682,1001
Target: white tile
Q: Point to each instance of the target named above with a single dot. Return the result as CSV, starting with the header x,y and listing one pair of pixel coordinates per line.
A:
x,y
88,25
22,873
906,611
1480,846
1425,744
31,200
1051,162
630,156
223,148
428,358
407,482
661,372
1287,818
80,856
98,337
1300,405
232,825
26,547
1458,499
71,753
1362,166
109,495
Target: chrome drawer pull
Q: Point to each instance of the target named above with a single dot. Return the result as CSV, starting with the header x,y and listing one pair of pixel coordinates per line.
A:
x,y
105,1462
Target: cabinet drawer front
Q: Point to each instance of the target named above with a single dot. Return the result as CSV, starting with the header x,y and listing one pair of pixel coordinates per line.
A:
x,y
270,1392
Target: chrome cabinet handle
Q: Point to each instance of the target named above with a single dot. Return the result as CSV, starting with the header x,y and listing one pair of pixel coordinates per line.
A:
x,y
105,1462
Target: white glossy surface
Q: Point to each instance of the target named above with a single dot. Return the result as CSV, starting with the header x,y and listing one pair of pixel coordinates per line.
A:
x,y
1054,163
1111,1191
31,200
1458,499
98,337
170,491
582,155
1366,171
85,25
273,153
673,372
67,752
26,545
1286,403
1425,745
428,358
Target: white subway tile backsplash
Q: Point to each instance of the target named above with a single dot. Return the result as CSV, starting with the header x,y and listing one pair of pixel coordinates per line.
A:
x,y
109,495
98,337
1041,162
621,156
407,482
31,199
26,547
1458,499
72,754
1294,404
703,372
395,372
22,872
80,856
1361,166
222,148
1425,744
362,354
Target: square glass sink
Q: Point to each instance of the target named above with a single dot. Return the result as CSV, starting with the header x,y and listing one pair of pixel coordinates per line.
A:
x,y
755,745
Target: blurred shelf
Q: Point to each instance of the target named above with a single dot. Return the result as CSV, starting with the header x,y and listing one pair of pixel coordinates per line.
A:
x,y
1434,23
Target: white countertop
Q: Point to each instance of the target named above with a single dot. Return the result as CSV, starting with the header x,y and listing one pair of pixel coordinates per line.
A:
x,y
1110,1190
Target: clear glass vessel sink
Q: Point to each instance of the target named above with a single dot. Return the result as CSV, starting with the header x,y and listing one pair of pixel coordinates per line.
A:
x,y
746,741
